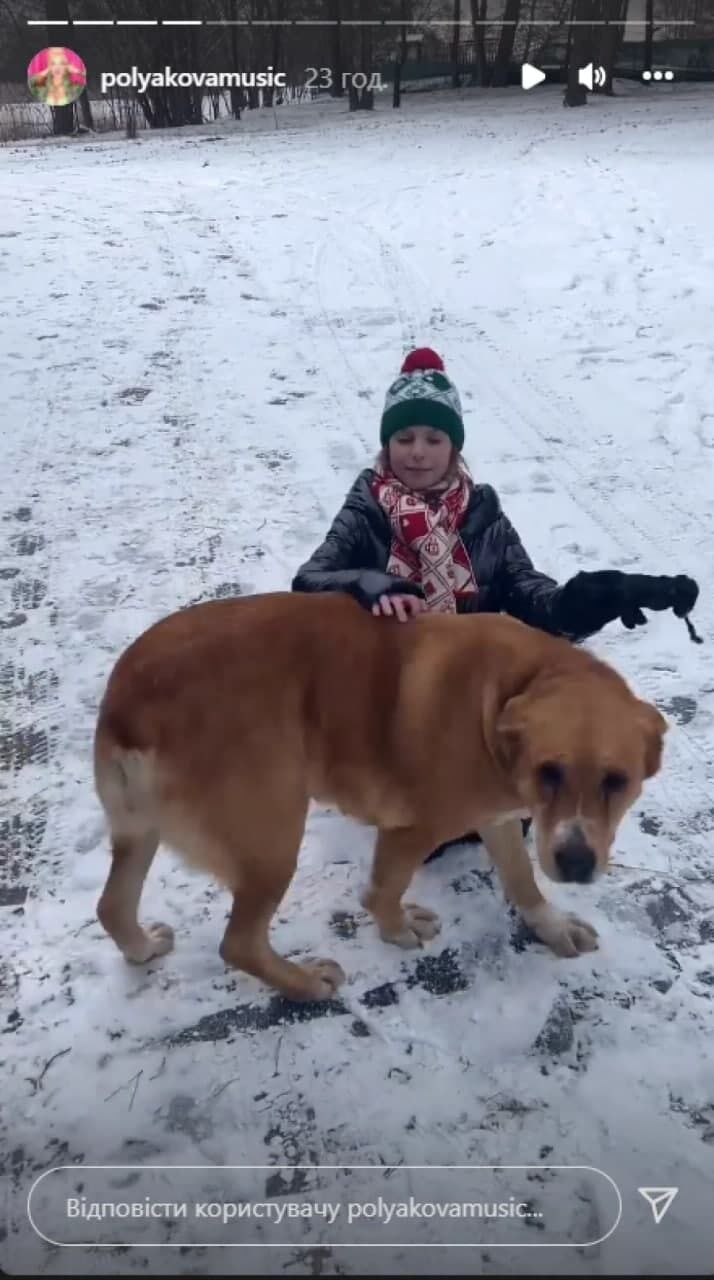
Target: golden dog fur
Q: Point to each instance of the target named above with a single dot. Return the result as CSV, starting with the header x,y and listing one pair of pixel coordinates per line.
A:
x,y
223,721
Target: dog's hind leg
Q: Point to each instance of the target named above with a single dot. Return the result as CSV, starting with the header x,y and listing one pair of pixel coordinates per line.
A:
x,y
123,782
264,876
118,906
564,933
397,855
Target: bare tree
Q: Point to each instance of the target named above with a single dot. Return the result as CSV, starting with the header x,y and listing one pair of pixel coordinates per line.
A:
x,y
479,15
504,53
581,49
336,60
367,42
361,97
456,47
80,46
610,38
62,117
529,32
275,37
400,55
237,95
649,32
596,37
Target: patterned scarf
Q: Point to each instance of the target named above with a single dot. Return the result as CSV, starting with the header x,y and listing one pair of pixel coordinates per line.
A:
x,y
426,547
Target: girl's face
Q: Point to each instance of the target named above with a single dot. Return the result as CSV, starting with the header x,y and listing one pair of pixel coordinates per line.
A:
x,y
420,456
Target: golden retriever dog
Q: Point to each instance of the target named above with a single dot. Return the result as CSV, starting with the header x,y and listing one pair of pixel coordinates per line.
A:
x,y
222,722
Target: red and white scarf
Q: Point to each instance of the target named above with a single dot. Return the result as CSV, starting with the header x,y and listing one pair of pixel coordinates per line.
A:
x,y
426,547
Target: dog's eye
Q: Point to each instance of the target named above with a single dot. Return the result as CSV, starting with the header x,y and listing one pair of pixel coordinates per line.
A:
x,y
614,781
550,774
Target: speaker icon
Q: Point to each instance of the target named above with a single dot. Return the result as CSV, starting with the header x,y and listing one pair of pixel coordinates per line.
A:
x,y
591,76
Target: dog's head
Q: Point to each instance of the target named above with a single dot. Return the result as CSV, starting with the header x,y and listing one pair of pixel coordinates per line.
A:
x,y
578,752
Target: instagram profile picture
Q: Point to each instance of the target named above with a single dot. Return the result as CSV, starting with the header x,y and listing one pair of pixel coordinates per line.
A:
x,y
56,76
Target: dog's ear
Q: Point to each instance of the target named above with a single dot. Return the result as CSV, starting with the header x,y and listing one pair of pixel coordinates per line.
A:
x,y
510,728
654,726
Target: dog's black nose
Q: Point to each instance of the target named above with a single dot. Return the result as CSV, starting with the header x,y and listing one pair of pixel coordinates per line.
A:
x,y
575,859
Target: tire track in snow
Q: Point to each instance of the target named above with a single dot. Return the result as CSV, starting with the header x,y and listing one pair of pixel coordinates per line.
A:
x,y
531,403
198,448
375,259
333,328
33,726
28,710
650,249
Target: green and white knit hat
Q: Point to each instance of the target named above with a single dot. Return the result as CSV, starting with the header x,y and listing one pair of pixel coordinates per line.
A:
x,y
423,396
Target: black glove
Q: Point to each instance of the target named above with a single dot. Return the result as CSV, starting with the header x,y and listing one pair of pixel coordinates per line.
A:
x,y
678,593
590,600
369,584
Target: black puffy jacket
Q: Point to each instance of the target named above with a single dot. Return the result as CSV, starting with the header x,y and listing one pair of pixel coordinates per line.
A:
x,y
354,556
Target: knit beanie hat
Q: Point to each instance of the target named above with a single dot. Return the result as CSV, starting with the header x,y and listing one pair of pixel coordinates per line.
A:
x,y
423,396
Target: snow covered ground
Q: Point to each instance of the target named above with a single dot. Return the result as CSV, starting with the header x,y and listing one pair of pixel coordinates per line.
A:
x,y
198,332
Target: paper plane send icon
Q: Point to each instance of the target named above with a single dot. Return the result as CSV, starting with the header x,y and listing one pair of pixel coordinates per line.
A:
x,y
659,1199
531,76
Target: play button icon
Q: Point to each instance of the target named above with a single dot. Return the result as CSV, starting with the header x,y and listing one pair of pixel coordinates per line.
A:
x,y
531,76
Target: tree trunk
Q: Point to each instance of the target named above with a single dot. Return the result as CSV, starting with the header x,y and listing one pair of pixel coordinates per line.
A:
x,y
357,51
148,109
131,119
397,94
367,94
611,37
276,48
169,107
401,55
569,43
62,117
597,41
649,32
83,107
583,50
529,33
361,98
456,47
194,95
479,14
236,92
252,93
334,13
501,66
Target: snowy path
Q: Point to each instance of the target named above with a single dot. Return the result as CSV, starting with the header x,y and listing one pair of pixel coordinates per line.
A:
x,y
199,332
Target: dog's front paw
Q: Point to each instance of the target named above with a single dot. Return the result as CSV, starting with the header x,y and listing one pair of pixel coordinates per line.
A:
x,y
418,925
566,934
323,978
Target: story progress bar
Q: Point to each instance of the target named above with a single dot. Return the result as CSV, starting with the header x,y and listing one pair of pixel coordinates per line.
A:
x,y
326,22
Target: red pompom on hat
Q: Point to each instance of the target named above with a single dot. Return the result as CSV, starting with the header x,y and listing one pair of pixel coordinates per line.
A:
x,y
420,359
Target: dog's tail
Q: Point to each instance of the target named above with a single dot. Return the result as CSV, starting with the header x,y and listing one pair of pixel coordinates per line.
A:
x,y
124,780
